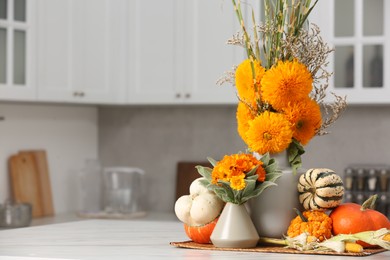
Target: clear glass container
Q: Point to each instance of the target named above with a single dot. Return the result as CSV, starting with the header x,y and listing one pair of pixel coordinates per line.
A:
x,y
122,190
15,215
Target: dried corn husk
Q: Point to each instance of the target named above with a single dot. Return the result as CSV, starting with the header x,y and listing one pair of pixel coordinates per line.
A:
x,y
337,243
370,237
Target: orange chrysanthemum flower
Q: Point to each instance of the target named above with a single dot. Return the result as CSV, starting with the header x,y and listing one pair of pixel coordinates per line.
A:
x,y
286,82
269,132
244,115
233,168
305,117
246,88
260,173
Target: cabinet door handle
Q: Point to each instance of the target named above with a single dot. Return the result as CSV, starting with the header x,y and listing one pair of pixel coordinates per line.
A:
x,y
2,118
178,95
78,94
188,95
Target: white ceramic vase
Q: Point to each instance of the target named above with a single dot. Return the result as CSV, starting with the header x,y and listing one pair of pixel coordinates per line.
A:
x,y
272,211
234,228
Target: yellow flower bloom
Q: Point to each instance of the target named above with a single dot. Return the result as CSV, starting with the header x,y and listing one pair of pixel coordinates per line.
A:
x,y
246,88
286,82
244,116
269,132
238,182
305,117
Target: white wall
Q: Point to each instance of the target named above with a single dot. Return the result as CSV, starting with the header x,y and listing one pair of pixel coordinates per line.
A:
x,y
67,133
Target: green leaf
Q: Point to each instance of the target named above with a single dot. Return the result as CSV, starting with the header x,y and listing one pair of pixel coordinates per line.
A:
x,y
221,193
212,161
237,196
204,182
295,150
252,172
250,186
204,171
262,187
271,168
265,159
272,177
258,190
253,177
229,192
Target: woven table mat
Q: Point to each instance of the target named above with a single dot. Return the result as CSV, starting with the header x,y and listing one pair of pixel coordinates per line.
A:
x,y
268,249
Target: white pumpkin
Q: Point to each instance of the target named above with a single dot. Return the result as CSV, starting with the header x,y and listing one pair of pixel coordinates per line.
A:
x,y
200,207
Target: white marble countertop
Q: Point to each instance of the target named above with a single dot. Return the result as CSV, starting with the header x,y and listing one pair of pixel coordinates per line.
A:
x,y
118,239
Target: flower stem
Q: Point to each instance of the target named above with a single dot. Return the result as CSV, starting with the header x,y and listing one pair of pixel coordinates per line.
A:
x,y
303,218
369,203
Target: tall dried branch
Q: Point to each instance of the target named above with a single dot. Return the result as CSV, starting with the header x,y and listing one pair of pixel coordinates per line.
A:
x,y
283,37
228,77
332,111
237,40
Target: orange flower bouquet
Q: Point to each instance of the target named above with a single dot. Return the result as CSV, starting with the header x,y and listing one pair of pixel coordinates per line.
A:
x,y
239,177
281,89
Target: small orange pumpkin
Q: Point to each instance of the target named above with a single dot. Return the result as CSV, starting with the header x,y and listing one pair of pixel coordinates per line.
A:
x,y
351,218
314,222
200,234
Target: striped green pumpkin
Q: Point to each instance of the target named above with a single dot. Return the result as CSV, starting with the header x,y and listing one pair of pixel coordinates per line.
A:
x,y
320,189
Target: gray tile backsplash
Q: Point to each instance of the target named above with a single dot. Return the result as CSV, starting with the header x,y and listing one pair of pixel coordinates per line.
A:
x,y
155,138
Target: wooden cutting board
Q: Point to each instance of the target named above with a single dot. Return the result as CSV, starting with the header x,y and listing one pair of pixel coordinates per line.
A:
x,y
41,165
30,181
25,182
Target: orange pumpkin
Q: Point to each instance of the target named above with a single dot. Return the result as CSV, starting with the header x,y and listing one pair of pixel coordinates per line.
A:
x,y
200,234
351,218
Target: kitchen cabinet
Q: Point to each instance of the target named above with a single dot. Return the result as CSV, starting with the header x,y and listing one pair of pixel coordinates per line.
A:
x,y
17,55
359,31
178,51
81,52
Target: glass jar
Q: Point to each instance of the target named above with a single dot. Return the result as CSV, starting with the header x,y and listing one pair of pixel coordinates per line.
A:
x,y
122,189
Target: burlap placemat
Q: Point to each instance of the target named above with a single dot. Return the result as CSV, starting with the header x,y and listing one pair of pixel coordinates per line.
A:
x,y
267,249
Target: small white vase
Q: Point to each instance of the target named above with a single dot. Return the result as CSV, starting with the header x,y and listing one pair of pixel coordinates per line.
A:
x,y
272,211
234,228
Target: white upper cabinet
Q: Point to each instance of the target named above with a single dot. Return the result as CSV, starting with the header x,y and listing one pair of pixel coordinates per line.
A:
x,y
153,63
359,31
207,27
81,51
170,51
17,50
178,51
